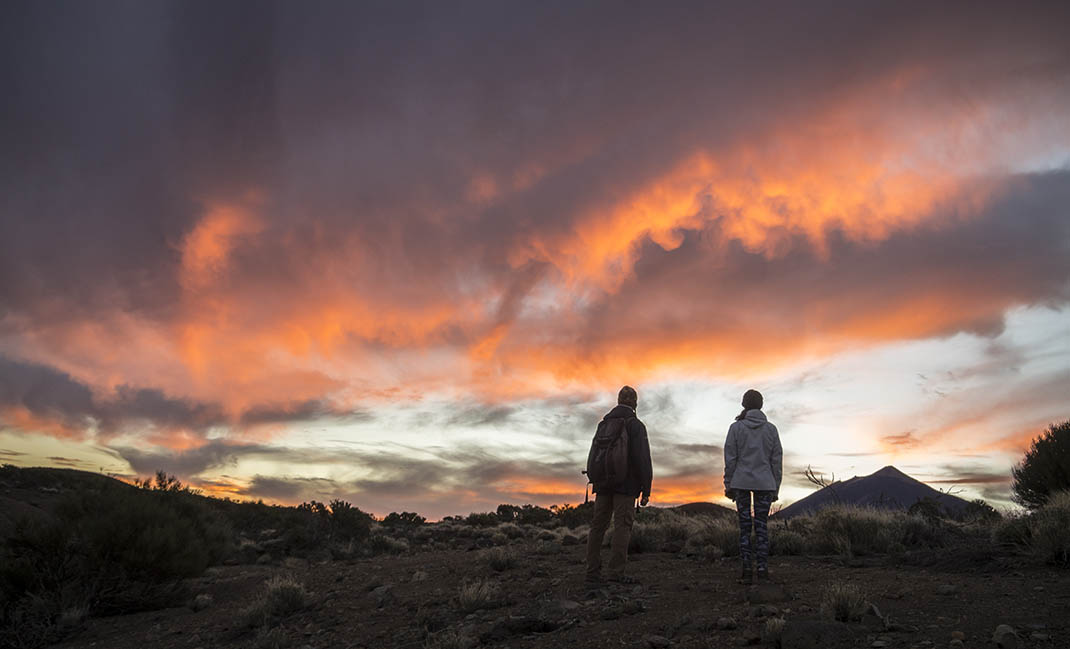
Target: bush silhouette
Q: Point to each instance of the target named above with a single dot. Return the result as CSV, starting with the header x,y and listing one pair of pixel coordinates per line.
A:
x,y
1045,469
403,520
113,550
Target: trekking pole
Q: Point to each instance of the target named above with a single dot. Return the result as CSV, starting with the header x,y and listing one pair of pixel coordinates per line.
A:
x,y
586,490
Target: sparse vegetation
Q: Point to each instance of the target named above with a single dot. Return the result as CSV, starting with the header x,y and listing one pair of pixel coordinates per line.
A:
x,y
500,559
282,596
474,595
449,639
844,602
1050,530
1043,535
772,630
109,550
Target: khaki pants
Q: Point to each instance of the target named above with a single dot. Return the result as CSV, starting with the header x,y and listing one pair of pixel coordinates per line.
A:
x,y
621,509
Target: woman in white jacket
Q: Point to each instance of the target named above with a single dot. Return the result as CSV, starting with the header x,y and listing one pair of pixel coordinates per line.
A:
x,y
753,465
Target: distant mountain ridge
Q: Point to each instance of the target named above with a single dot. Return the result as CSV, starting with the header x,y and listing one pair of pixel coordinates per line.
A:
x,y
704,509
888,488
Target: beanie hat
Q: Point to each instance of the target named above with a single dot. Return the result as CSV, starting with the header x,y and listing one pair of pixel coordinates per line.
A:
x,y
628,397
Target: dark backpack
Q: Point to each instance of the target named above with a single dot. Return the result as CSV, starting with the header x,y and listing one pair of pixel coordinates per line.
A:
x,y
607,462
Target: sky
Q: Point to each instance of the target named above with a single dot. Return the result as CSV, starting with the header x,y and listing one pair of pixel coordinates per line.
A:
x,y
405,254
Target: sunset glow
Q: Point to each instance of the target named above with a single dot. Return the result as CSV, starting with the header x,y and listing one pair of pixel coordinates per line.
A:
x,y
406,256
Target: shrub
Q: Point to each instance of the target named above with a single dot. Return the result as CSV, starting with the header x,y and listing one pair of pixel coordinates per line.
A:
x,y
474,595
1050,530
567,515
721,532
573,516
403,520
349,523
646,537
109,550
844,602
676,529
281,597
1013,531
786,542
1045,469
980,512
482,520
383,544
500,559
511,530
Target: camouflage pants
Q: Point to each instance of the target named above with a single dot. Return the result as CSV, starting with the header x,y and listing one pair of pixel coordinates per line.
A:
x,y
762,501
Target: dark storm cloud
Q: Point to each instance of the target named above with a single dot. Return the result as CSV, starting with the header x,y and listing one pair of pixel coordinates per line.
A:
x,y
302,411
119,118
45,393
49,395
287,490
434,158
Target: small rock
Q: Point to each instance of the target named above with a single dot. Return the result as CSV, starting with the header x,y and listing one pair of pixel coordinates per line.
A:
x,y
764,610
946,589
568,605
958,635
263,559
726,623
382,595
419,575
877,644
1038,636
955,643
201,602
656,641
1005,637
637,591
1038,588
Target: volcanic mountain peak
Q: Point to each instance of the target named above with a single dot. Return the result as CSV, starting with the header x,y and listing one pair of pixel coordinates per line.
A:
x,y
888,488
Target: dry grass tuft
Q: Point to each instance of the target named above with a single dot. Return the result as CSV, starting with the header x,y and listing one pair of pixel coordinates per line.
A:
x,y
500,559
844,602
282,596
474,595
772,630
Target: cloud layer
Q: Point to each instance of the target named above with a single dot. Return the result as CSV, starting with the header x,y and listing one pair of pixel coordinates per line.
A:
x,y
219,224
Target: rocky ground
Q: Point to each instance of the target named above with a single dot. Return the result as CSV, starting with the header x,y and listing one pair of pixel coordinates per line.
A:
x,y
413,601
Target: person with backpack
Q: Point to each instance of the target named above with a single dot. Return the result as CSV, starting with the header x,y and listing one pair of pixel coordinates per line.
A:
x,y
753,468
619,467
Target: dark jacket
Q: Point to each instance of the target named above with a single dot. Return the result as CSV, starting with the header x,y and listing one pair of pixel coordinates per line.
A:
x,y
640,471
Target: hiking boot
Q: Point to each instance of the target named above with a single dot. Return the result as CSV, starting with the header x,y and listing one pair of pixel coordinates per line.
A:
x,y
763,575
746,577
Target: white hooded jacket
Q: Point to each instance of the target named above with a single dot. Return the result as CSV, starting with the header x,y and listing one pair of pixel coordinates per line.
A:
x,y
753,457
